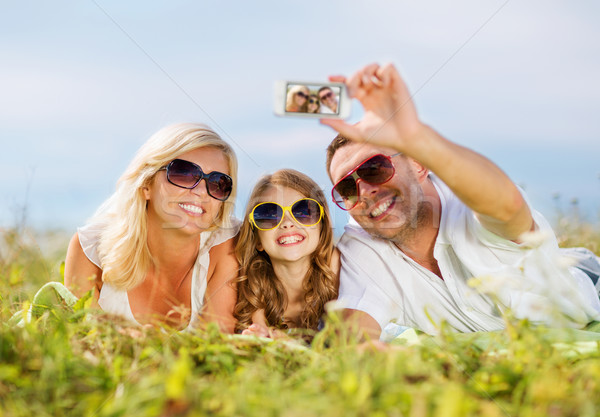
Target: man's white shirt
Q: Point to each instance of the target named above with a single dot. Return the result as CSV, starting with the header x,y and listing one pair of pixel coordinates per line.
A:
x,y
325,110
530,279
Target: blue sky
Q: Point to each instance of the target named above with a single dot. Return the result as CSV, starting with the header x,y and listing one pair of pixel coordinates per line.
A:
x,y
84,84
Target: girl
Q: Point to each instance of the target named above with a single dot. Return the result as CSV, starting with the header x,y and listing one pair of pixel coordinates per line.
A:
x,y
313,105
289,267
161,248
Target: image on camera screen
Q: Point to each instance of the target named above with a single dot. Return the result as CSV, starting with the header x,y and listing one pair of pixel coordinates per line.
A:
x,y
312,98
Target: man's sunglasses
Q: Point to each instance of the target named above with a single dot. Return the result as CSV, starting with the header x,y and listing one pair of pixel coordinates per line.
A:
x,y
378,169
186,174
267,216
326,96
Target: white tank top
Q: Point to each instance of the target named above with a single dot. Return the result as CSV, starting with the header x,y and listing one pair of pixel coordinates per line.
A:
x,y
115,301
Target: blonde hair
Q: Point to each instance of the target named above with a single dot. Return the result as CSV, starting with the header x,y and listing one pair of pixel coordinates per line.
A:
x,y
123,247
289,103
259,287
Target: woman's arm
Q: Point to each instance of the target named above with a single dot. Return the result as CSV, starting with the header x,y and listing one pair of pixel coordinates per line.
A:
x,y
81,274
221,293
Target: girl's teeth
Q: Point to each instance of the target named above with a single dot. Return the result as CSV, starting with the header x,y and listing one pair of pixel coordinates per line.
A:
x,y
286,240
191,208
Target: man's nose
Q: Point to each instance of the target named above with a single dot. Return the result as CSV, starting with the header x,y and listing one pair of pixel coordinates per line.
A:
x,y
365,189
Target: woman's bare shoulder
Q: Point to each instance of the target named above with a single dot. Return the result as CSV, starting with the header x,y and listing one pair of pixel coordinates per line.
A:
x,y
222,258
224,249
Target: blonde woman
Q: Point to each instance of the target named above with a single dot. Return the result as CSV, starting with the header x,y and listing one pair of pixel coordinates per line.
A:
x,y
161,247
297,99
289,266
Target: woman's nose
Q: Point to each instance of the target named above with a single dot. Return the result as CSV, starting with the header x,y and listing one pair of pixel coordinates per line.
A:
x,y
200,189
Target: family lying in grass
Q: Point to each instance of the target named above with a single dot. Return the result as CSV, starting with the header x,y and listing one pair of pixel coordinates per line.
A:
x,y
428,215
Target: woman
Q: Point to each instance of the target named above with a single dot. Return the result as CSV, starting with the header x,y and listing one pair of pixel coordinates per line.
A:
x,y
313,105
289,266
161,247
297,98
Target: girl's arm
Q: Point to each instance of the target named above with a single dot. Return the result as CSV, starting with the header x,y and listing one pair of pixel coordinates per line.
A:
x,y
336,265
221,293
258,317
81,274
259,325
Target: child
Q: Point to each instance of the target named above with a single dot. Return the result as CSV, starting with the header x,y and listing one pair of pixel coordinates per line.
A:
x,y
289,266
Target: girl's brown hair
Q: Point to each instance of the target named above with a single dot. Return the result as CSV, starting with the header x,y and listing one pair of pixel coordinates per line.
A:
x,y
259,287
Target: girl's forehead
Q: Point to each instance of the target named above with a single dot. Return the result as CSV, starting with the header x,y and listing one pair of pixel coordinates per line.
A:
x,y
280,194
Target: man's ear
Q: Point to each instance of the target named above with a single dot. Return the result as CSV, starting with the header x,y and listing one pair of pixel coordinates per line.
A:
x,y
420,171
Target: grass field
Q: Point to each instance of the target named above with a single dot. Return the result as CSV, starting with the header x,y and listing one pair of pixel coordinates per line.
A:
x,y
74,362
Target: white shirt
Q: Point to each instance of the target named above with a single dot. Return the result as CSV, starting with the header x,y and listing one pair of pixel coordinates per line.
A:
x,y
325,110
116,301
379,279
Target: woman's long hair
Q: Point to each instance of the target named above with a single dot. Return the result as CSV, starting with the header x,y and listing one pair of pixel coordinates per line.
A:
x,y
123,249
259,287
290,102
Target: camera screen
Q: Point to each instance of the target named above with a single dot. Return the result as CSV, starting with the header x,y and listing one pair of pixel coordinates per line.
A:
x,y
312,98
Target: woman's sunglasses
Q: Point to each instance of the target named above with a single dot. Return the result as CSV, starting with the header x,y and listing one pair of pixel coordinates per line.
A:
x,y
267,216
313,101
301,94
378,169
186,174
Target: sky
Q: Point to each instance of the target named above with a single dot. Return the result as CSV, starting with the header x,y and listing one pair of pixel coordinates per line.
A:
x,y
84,83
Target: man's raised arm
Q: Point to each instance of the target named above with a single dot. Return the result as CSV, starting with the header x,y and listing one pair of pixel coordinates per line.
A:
x,y
391,120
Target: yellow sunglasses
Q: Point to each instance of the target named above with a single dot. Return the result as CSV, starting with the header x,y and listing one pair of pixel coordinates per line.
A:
x,y
267,216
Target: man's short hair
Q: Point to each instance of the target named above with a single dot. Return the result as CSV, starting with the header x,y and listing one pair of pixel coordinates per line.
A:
x,y
335,144
323,89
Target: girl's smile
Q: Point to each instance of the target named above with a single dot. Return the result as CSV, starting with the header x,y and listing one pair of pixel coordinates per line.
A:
x,y
290,241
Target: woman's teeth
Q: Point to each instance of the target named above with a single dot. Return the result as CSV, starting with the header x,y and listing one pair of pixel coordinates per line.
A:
x,y
191,208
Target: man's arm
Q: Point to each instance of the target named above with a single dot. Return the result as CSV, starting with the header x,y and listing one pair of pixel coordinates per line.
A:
x,y
362,325
391,120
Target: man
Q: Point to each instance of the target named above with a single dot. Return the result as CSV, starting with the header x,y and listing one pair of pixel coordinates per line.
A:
x,y
329,103
431,215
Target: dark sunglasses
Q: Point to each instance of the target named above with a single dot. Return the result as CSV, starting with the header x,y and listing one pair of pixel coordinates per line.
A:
x,y
378,169
186,174
326,96
267,216
301,94
313,101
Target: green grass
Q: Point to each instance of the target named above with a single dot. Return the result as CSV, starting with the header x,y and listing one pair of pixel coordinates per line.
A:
x,y
86,363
